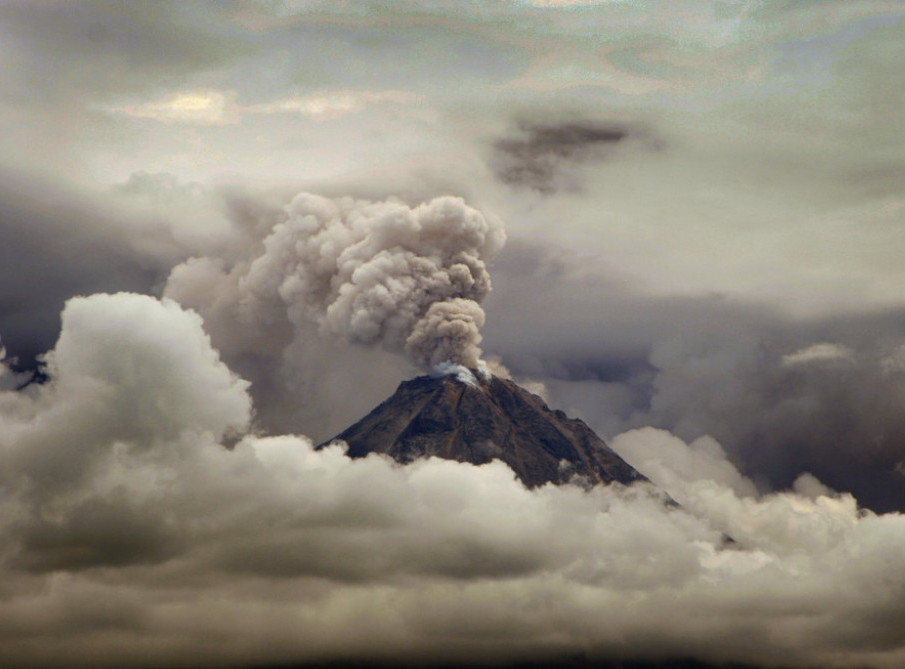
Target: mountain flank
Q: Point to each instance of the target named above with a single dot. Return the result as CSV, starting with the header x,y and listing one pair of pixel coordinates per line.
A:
x,y
472,418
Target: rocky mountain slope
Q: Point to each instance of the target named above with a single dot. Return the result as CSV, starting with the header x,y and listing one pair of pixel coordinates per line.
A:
x,y
475,419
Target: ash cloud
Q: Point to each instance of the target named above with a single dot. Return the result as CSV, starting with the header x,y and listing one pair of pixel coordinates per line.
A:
x,y
407,279
539,155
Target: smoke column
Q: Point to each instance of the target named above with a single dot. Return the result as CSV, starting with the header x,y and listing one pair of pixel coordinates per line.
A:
x,y
409,279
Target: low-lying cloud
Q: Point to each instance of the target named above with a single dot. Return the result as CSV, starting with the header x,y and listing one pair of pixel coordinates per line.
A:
x,y
130,527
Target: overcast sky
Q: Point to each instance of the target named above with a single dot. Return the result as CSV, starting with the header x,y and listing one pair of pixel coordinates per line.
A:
x,y
245,223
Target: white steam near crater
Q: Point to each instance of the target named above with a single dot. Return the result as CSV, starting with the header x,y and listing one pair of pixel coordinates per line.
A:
x,y
127,525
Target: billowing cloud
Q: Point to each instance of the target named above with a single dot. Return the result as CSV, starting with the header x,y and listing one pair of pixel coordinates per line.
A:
x,y
408,279
129,375
129,525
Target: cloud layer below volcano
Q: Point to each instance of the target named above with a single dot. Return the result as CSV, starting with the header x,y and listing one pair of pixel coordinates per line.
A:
x,y
129,526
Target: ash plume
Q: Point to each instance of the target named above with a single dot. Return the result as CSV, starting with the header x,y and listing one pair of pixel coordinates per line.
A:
x,y
407,279
448,332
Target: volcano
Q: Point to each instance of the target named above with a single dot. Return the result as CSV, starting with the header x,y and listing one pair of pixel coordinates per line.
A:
x,y
473,418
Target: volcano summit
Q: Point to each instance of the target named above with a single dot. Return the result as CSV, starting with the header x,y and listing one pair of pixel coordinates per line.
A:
x,y
476,418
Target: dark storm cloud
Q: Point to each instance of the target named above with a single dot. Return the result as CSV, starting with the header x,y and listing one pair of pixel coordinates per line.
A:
x,y
94,533
538,155
53,245
783,396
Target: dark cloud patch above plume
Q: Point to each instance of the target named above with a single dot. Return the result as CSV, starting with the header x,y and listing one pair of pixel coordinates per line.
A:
x,y
539,155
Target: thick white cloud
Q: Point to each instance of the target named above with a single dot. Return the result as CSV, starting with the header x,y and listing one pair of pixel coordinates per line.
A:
x,y
136,347
126,368
157,540
670,463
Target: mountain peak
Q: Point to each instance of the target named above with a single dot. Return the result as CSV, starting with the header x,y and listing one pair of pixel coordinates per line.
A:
x,y
472,416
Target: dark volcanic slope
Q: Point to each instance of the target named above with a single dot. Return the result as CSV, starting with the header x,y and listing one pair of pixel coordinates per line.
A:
x,y
476,423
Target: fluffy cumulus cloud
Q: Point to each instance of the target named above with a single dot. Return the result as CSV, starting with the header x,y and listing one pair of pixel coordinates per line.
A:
x,y
134,537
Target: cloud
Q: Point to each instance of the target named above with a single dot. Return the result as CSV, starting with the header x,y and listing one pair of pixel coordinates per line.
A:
x,y
106,47
818,353
672,464
623,358
129,374
200,107
272,552
538,154
179,218
408,279
332,104
214,107
56,242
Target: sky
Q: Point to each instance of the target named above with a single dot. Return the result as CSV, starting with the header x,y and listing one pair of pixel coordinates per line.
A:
x,y
230,229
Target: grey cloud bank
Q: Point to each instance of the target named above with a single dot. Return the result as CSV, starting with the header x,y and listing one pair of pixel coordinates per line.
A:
x,y
129,526
779,397
703,212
